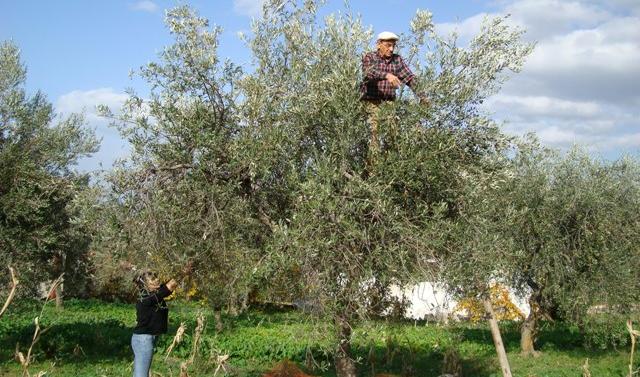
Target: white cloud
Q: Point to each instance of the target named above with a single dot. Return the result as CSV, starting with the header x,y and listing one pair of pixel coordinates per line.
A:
x,y
546,18
626,7
112,146
582,82
612,47
251,8
540,18
466,29
78,100
626,141
532,106
556,136
145,6
605,128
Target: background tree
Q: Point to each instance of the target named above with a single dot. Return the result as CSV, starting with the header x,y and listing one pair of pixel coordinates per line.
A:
x,y
573,234
558,228
186,195
38,150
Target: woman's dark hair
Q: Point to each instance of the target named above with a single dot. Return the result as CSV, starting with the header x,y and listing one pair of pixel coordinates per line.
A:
x,y
140,280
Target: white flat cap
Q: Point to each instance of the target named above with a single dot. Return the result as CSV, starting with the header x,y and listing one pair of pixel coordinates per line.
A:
x,y
387,35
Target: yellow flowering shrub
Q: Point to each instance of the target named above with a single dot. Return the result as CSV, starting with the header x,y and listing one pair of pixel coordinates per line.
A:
x,y
504,308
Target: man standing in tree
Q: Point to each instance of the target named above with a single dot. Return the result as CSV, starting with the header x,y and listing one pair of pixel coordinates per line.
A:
x,y
383,73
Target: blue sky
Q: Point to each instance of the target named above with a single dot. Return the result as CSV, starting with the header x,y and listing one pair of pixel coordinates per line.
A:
x,y
581,85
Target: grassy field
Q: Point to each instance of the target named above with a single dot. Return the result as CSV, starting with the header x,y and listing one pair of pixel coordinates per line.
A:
x,y
91,338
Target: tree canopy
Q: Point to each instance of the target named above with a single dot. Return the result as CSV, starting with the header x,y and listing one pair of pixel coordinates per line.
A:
x,y
38,151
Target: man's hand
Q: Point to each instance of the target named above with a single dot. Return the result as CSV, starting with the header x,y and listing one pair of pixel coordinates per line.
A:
x,y
424,100
172,284
393,79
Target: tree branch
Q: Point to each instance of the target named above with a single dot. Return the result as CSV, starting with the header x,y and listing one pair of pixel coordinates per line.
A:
x,y
14,283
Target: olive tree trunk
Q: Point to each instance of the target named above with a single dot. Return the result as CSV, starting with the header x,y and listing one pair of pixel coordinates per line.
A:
x,y
528,331
59,299
345,365
59,264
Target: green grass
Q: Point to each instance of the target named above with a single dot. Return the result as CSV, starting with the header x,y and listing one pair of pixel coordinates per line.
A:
x,y
91,338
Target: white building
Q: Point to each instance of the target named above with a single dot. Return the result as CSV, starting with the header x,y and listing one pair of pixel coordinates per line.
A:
x,y
431,301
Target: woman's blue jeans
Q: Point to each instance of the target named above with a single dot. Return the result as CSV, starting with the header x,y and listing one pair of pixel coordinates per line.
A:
x,y
142,345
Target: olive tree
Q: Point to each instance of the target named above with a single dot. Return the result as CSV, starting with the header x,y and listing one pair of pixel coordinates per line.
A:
x,y
353,226
261,179
186,196
573,229
557,228
38,150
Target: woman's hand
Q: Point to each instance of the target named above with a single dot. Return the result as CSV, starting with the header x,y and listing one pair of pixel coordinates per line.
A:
x,y
172,284
188,268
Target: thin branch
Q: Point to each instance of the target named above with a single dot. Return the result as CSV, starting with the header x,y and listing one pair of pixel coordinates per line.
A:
x,y
170,168
25,361
176,339
634,334
14,285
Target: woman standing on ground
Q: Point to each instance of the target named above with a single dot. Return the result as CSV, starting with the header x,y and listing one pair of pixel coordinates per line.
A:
x,y
152,316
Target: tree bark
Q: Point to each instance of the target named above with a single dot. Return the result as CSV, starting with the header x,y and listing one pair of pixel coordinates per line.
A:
x,y
59,267
218,319
232,307
528,330
497,338
59,300
244,305
345,365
